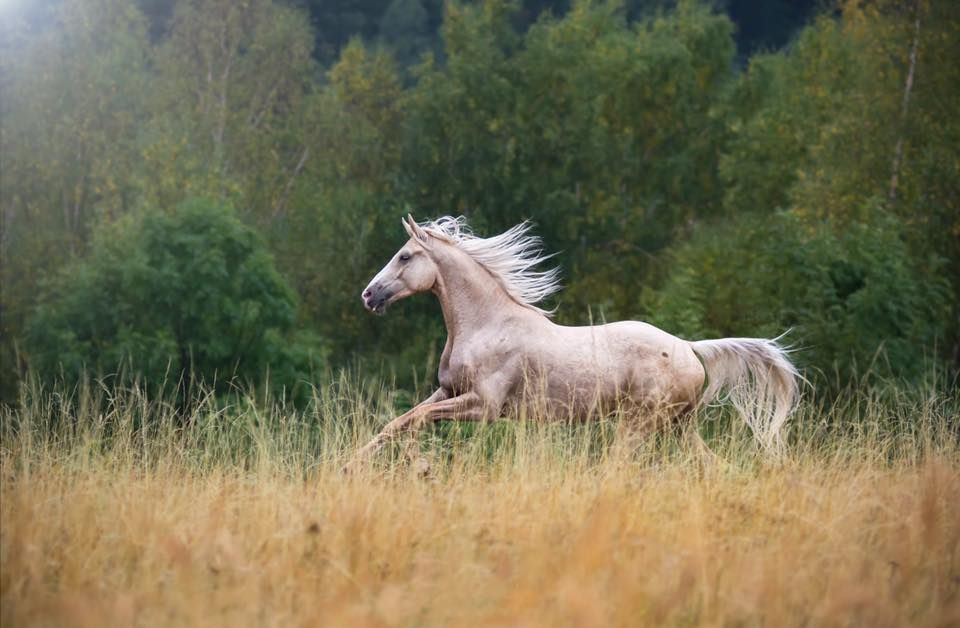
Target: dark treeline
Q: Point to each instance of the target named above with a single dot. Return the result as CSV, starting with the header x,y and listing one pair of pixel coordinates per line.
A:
x,y
410,28
203,187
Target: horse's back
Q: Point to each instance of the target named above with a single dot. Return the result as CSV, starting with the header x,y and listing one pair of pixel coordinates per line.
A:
x,y
627,342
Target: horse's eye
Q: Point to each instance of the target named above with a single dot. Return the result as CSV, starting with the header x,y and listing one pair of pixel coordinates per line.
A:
x,y
404,257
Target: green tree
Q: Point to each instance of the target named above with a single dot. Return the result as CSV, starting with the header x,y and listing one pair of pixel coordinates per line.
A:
x,y
71,104
344,221
854,111
604,132
855,298
226,112
190,294
405,29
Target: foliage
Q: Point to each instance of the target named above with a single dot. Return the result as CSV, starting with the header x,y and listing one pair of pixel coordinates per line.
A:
x,y
180,296
815,129
232,80
628,131
415,25
854,300
600,130
343,220
72,101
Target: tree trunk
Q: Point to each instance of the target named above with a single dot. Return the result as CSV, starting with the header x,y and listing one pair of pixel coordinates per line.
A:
x,y
907,88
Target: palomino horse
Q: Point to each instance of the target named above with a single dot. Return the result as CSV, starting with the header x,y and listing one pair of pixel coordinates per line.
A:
x,y
505,356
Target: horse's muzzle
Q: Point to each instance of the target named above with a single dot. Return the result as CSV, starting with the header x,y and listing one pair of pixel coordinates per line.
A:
x,y
376,299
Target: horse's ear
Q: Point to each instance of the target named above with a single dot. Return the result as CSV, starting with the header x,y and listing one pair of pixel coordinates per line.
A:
x,y
414,230
406,226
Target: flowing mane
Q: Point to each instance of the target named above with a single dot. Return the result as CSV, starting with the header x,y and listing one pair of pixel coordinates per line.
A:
x,y
510,257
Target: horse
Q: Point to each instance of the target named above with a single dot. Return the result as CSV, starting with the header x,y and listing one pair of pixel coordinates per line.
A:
x,y
504,356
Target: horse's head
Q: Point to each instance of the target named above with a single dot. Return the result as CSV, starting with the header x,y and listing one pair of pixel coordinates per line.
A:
x,y
411,270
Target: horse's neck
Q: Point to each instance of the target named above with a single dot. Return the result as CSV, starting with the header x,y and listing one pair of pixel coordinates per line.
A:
x,y
469,295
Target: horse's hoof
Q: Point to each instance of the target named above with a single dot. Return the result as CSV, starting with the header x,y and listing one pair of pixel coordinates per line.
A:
x,y
421,468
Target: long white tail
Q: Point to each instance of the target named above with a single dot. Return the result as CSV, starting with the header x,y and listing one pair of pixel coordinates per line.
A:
x,y
761,383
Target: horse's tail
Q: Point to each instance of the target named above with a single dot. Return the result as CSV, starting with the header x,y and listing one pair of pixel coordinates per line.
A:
x,y
761,383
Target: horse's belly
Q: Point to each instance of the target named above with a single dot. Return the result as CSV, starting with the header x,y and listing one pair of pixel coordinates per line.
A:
x,y
614,368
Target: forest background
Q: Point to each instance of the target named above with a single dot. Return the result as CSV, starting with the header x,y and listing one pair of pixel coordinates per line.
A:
x,y
199,189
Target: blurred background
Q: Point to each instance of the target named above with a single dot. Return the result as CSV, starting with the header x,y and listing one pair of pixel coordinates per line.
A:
x,y
199,189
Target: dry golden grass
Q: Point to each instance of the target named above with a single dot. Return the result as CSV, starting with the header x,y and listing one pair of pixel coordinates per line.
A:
x,y
242,519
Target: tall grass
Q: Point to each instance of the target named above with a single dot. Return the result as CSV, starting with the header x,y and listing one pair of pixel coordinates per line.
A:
x,y
119,509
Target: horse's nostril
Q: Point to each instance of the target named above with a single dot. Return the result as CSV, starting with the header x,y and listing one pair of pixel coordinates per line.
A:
x,y
366,294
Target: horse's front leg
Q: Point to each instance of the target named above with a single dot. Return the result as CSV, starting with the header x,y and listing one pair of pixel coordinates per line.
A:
x,y
397,425
438,406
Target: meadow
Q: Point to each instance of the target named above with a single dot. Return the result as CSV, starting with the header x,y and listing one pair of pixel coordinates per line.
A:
x,y
119,511
195,190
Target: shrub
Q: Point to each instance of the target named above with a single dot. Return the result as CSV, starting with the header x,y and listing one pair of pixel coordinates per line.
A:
x,y
852,296
190,294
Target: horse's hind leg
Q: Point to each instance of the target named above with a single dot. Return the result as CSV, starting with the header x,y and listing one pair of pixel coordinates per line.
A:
x,y
688,419
635,427
696,443
631,433
652,418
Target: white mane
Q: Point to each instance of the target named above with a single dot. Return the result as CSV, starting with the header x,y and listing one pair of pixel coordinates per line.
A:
x,y
510,257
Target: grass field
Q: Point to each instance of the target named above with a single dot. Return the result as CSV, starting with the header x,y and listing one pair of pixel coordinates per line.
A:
x,y
115,514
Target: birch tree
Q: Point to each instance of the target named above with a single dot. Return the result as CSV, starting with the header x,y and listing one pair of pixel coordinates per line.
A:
x,y
232,81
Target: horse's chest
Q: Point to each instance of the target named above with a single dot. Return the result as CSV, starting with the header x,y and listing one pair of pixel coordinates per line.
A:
x,y
470,361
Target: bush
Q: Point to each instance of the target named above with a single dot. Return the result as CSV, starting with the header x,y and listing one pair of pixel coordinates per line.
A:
x,y
853,298
181,296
